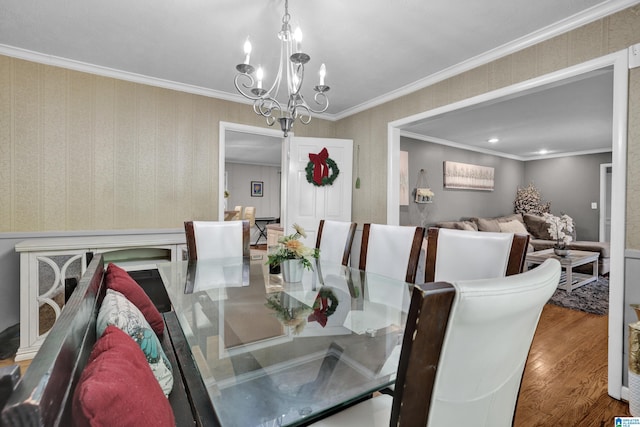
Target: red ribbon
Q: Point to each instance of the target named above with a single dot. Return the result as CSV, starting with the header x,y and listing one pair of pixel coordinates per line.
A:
x,y
320,168
320,314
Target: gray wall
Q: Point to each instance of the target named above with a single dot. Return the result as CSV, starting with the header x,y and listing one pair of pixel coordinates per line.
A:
x,y
455,204
571,184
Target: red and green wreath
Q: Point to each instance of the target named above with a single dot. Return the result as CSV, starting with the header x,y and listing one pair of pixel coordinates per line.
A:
x,y
318,169
324,306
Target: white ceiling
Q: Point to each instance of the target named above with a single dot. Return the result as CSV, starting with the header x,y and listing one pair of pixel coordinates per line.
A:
x,y
373,50
567,117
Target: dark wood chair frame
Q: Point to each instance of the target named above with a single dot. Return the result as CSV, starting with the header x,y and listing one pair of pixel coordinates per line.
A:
x,y
348,244
424,335
414,255
191,239
515,264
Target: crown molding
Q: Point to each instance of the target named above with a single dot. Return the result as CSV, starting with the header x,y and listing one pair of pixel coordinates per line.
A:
x,y
449,143
85,67
560,27
587,16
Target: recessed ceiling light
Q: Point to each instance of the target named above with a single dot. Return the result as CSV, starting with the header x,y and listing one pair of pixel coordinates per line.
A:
x,y
493,140
543,151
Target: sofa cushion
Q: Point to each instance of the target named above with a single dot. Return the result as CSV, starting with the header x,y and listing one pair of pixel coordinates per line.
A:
x,y
513,226
119,280
487,224
117,387
458,225
119,311
537,226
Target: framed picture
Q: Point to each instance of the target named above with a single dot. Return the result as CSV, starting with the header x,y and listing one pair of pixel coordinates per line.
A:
x,y
468,177
256,188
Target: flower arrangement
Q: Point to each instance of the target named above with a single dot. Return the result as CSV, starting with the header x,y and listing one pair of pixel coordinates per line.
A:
x,y
290,247
423,194
560,228
292,316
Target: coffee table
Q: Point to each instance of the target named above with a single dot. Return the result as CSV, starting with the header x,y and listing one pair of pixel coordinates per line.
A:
x,y
569,280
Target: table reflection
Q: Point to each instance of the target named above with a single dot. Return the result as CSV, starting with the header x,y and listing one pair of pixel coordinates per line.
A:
x,y
276,353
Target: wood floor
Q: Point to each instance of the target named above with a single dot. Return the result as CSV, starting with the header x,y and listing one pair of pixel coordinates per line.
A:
x,y
565,381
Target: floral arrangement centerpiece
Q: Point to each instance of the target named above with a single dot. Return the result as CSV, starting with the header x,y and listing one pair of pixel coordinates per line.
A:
x,y
290,249
560,229
289,313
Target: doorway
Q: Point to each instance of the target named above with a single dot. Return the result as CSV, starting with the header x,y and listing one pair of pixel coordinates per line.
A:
x,y
250,171
619,62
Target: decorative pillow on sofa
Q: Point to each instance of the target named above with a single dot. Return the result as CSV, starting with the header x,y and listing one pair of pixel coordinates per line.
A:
x,y
487,224
537,226
458,225
118,388
117,310
493,224
513,227
119,280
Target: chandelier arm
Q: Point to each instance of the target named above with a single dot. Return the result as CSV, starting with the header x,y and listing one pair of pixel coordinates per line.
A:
x,y
266,106
305,115
321,99
237,84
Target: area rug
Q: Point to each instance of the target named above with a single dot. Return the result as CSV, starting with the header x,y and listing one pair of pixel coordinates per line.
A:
x,y
591,298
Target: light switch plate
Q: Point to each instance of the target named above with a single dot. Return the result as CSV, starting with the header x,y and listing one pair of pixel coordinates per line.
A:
x,y
594,205
634,56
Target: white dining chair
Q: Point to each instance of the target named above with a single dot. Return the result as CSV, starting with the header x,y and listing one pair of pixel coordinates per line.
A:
x,y
466,255
391,250
217,239
334,240
463,353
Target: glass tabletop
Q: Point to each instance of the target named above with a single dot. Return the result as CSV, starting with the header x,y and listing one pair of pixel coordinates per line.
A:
x,y
277,354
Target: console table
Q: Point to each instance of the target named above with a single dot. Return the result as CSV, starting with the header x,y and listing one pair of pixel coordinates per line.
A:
x,y
46,263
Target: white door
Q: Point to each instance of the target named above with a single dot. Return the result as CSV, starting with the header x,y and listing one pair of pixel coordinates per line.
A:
x,y
305,203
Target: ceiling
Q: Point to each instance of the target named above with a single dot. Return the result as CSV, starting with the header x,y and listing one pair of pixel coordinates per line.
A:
x,y
562,118
373,53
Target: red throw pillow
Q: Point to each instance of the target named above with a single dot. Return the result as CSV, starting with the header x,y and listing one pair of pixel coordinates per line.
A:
x,y
117,387
120,281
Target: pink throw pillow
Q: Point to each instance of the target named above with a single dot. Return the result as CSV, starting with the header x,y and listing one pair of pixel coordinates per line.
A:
x,y
119,280
117,387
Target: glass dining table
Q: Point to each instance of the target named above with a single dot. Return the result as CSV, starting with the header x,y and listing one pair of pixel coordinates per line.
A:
x,y
272,353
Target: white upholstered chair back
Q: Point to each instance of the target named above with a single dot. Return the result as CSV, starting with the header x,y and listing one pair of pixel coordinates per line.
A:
x,y
466,255
238,215
217,239
474,337
334,240
250,215
391,250
487,341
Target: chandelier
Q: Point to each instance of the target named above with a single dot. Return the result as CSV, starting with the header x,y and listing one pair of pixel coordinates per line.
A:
x,y
292,61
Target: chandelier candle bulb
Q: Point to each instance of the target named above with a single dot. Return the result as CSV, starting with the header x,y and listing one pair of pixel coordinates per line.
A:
x,y
297,36
247,51
259,76
323,72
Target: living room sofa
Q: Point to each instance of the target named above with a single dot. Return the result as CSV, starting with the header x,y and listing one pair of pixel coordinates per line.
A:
x,y
537,229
